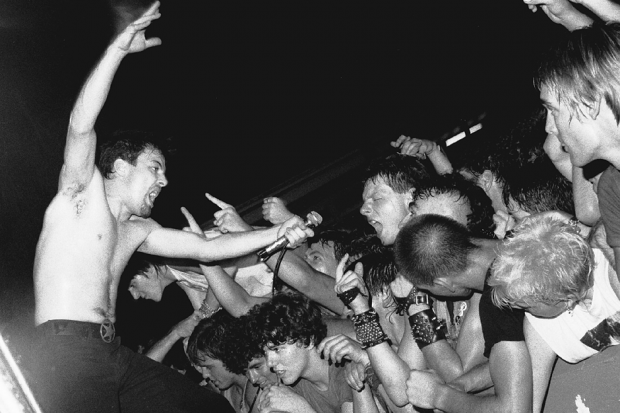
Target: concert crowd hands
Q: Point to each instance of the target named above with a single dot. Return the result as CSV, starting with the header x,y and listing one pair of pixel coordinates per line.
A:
x,y
133,39
275,211
423,387
420,148
349,280
227,219
277,398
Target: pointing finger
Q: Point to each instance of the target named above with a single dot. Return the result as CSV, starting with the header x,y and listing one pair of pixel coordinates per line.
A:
x,y
191,221
221,204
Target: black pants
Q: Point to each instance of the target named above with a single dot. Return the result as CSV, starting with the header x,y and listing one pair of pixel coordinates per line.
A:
x,y
82,373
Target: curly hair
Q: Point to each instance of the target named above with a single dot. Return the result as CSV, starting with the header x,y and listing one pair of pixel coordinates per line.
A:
x,y
125,145
287,318
225,338
545,261
480,220
400,172
431,246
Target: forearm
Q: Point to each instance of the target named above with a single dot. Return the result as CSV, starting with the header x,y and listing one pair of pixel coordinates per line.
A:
x,y
440,161
364,401
451,400
236,244
163,346
316,285
584,198
606,10
475,380
230,295
95,91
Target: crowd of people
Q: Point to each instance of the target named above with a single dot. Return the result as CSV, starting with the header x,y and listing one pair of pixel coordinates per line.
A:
x,y
486,282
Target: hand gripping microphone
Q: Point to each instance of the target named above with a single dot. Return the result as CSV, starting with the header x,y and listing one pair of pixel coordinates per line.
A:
x,y
312,220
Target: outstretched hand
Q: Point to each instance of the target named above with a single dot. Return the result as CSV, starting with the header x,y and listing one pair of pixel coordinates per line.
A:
x,y
132,39
275,211
227,219
193,225
420,148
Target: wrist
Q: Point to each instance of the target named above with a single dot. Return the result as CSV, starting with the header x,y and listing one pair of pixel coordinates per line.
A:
x,y
416,308
359,306
441,395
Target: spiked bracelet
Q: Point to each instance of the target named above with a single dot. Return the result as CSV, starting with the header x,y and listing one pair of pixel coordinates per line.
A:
x,y
414,297
368,330
426,328
348,296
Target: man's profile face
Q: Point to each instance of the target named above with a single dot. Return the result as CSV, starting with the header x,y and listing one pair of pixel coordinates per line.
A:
x,y
146,285
146,180
321,256
288,361
576,132
214,370
384,209
259,373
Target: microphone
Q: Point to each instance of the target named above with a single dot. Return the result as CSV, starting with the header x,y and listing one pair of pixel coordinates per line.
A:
x,y
313,219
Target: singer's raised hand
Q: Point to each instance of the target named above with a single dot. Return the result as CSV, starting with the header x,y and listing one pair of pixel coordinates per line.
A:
x,y
132,39
227,219
295,231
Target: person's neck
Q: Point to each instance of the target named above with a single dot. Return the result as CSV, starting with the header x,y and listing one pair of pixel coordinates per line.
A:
x,y
115,201
317,371
479,263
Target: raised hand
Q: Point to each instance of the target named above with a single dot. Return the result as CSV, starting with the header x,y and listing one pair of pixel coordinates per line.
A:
x,y
275,211
185,328
504,222
193,225
355,375
349,280
227,219
132,39
340,346
560,12
419,148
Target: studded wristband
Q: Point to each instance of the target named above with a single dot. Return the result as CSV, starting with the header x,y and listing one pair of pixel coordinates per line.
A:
x,y
426,328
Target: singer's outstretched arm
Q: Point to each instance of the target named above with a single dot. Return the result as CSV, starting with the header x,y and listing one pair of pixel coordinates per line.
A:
x,y
181,244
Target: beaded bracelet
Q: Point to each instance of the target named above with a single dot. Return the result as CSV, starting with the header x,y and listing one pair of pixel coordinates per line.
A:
x,y
206,311
348,296
368,330
426,328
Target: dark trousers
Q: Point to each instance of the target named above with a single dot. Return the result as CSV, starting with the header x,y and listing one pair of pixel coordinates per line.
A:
x,y
82,373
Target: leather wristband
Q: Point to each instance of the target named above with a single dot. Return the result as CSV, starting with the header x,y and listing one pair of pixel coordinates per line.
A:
x,y
348,296
426,328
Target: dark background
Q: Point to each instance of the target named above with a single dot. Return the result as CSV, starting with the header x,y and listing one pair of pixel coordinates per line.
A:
x,y
253,94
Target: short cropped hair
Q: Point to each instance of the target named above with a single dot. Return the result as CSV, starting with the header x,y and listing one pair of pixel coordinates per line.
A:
x,y
583,68
402,173
287,318
222,337
545,261
480,220
431,246
125,145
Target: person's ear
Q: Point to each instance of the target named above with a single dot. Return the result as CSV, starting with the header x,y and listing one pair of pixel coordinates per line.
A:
x,y
120,167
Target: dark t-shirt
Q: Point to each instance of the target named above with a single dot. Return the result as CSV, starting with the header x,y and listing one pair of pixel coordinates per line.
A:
x,y
499,324
609,204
